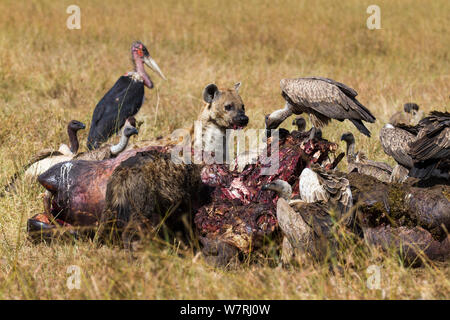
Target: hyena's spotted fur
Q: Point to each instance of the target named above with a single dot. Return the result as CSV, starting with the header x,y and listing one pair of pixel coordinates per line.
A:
x,y
150,184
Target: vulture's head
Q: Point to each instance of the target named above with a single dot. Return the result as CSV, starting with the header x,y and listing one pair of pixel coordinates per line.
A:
x,y
129,128
411,107
300,123
140,54
75,125
348,137
281,187
129,131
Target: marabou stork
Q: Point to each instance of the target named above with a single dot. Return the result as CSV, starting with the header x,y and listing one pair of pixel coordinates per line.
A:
x,y
124,99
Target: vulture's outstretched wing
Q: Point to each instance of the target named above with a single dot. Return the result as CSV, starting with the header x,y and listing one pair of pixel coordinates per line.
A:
x,y
435,117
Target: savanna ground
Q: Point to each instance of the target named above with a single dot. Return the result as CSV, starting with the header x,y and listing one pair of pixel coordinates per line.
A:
x,y
50,74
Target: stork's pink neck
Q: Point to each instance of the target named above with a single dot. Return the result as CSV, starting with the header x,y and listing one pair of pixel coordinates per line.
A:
x,y
139,67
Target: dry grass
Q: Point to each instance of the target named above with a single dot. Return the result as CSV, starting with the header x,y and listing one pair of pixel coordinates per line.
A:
x,y
49,75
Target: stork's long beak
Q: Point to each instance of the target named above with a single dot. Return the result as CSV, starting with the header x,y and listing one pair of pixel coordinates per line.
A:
x,y
154,66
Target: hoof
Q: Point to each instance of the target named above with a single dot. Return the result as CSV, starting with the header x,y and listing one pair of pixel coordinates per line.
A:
x,y
40,228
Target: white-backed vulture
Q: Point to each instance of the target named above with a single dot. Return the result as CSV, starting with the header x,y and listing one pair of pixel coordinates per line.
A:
x,y
300,133
307,227
422,150
322,99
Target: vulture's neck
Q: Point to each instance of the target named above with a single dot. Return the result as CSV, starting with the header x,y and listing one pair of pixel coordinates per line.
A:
x,y
73,140
282,114
118,148
350,150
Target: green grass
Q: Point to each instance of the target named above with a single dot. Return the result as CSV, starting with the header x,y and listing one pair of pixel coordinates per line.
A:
x,y
50,75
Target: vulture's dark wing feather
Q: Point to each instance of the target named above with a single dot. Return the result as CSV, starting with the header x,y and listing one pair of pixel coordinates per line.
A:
x,y
437,148
411,129
432,144
317,217
338,187
423,169
433,140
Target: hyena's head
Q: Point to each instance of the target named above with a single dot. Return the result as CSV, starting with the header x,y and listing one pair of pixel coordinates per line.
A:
x,y
224,107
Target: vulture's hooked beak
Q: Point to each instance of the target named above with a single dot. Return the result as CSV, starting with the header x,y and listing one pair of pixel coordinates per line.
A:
x,y
154,66
134,131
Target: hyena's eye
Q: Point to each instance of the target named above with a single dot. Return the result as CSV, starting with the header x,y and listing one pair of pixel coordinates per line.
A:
x,y
229,107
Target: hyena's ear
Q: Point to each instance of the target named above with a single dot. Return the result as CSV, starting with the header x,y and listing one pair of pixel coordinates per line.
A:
x,y
237,86
210,93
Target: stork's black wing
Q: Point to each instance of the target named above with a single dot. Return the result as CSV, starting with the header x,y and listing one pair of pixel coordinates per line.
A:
x,y
123,100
